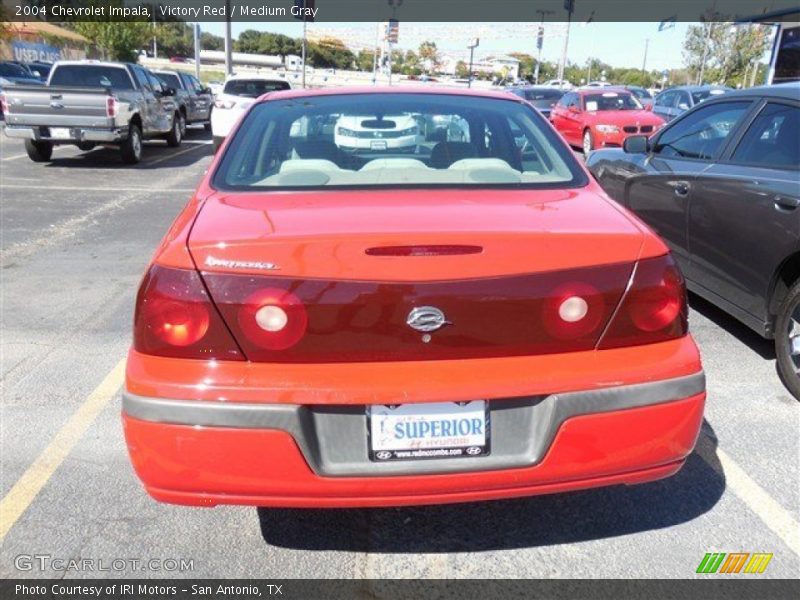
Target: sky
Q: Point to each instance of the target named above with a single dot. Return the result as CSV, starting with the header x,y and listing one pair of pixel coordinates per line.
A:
x,y
618,44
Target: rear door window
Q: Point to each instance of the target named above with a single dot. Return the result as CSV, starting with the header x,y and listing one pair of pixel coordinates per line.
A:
x,y
773,139
701,134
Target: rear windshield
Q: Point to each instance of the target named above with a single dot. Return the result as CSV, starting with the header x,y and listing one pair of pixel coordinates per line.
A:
x,y
610,101
170,79
641,93
542,98
253,88
92,76
362,140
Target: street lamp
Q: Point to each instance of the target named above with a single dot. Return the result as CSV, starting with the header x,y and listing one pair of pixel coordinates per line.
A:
x,y
472,47
540,42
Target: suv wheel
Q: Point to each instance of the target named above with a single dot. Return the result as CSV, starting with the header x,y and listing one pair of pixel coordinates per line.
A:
x,y
787,340
132,147
176,133
39,151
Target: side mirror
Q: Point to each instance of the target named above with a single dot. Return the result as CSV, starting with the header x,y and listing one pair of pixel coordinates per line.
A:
x,y
636,144
207,90
167,91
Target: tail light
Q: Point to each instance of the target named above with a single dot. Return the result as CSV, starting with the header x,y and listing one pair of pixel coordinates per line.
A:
x,y
224,104
112,106
4,104
175,317
654,308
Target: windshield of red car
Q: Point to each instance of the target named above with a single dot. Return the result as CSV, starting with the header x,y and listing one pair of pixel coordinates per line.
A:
x,y
610,101
367,140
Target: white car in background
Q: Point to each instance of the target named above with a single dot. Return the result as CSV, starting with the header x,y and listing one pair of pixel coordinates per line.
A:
x,y
390,133
561,84
238,94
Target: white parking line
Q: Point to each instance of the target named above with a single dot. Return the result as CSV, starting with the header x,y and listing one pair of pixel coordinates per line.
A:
x,y
173,155
94,189
766,508
10,158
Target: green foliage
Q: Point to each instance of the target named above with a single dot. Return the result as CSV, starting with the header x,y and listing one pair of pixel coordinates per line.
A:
x,y
429,55
262,42
365,60
118,41
209,41
723,52
175,39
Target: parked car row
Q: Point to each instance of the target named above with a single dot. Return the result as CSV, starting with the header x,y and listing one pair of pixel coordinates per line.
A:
x,y
86,103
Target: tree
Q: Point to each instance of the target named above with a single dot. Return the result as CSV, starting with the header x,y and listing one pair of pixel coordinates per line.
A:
x,y
277,44
209,41
527,64
429,55
175,38
119,40
248,41
365,60
462,70
722,52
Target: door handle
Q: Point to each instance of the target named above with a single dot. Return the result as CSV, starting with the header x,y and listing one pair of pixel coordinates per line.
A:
x,y
786,203
681,188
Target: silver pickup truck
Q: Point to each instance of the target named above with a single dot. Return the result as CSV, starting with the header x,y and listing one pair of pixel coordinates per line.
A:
x,y
86,103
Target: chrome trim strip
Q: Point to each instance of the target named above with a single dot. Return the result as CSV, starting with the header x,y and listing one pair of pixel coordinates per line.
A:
x,y
333,439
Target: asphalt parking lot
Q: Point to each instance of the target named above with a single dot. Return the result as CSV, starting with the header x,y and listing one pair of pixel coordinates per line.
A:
x,y
75,237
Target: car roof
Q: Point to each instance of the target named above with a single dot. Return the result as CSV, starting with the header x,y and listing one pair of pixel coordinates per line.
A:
x,y
254,77
697,88
170,71
789,91
351,90
602,90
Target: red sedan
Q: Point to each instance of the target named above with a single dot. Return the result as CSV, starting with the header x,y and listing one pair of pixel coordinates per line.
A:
x,y
325,327
602,118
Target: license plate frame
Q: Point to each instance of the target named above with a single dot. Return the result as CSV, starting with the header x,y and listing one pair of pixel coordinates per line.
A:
x,y
379,451
377,145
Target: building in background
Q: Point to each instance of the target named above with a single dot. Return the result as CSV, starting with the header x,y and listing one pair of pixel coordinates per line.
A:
x,y
31,41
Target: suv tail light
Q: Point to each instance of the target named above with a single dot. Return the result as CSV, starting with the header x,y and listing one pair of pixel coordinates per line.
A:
x,y
112,107
224,104
175,317
4,104
654,309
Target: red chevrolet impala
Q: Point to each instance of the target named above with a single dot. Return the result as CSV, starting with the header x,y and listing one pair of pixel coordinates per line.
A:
x,y
332,325
602,118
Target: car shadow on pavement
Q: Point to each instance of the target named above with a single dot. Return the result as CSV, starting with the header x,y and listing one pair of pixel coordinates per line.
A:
x,y
507,524
763,347
155,155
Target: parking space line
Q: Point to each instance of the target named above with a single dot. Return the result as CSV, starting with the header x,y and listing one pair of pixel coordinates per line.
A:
x,y
20,497
173,155
95,189
10,158
771,513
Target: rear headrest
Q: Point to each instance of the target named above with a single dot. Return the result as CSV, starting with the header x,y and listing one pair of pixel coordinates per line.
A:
x,y
323,149
445,154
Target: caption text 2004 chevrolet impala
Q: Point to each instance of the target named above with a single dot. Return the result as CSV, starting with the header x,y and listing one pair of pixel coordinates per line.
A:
x,y
461,317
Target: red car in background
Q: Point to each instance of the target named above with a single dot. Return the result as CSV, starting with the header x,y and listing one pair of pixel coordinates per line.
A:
x,y
602,118
479,320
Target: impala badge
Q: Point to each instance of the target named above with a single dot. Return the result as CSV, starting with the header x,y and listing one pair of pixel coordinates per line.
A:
x,y
426,318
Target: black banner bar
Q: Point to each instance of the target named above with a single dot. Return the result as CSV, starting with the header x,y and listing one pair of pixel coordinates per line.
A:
x,y
483,11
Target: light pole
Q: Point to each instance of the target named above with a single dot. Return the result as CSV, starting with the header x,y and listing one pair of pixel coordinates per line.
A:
x,y
540,43
228,40
472,47
569,6
644,61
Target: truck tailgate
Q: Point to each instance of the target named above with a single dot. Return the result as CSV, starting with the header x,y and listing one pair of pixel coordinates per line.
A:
x,y
58,106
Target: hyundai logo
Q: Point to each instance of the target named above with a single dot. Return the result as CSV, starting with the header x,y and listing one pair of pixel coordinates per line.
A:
x,y
426,318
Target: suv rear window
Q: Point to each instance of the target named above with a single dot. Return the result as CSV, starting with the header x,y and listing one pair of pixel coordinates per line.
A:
x,y
92,76
369,140
253,88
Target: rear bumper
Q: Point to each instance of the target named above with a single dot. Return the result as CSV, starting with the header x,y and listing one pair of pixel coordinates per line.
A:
x,y
77,134
207,452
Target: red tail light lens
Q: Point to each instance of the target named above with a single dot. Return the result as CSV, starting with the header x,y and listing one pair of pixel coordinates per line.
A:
x,y
111,106
654,309
175,317
4,104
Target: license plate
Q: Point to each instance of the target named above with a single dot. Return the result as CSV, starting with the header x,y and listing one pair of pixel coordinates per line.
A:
x,y
423,431
378,145
60,133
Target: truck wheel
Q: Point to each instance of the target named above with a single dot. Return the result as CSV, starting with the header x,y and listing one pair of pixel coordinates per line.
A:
x,y
175,135
39,151
207,124
787,340
86,146
131,148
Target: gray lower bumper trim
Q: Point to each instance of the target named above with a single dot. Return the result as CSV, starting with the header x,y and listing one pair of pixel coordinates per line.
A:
x,y
333,439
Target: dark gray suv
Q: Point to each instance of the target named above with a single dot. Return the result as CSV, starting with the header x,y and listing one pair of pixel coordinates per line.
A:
x,y
721,185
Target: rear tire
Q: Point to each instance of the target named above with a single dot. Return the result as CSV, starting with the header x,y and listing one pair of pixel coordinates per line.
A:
x,y
86,146
175,136
131,148
39,151
588,142
787,340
